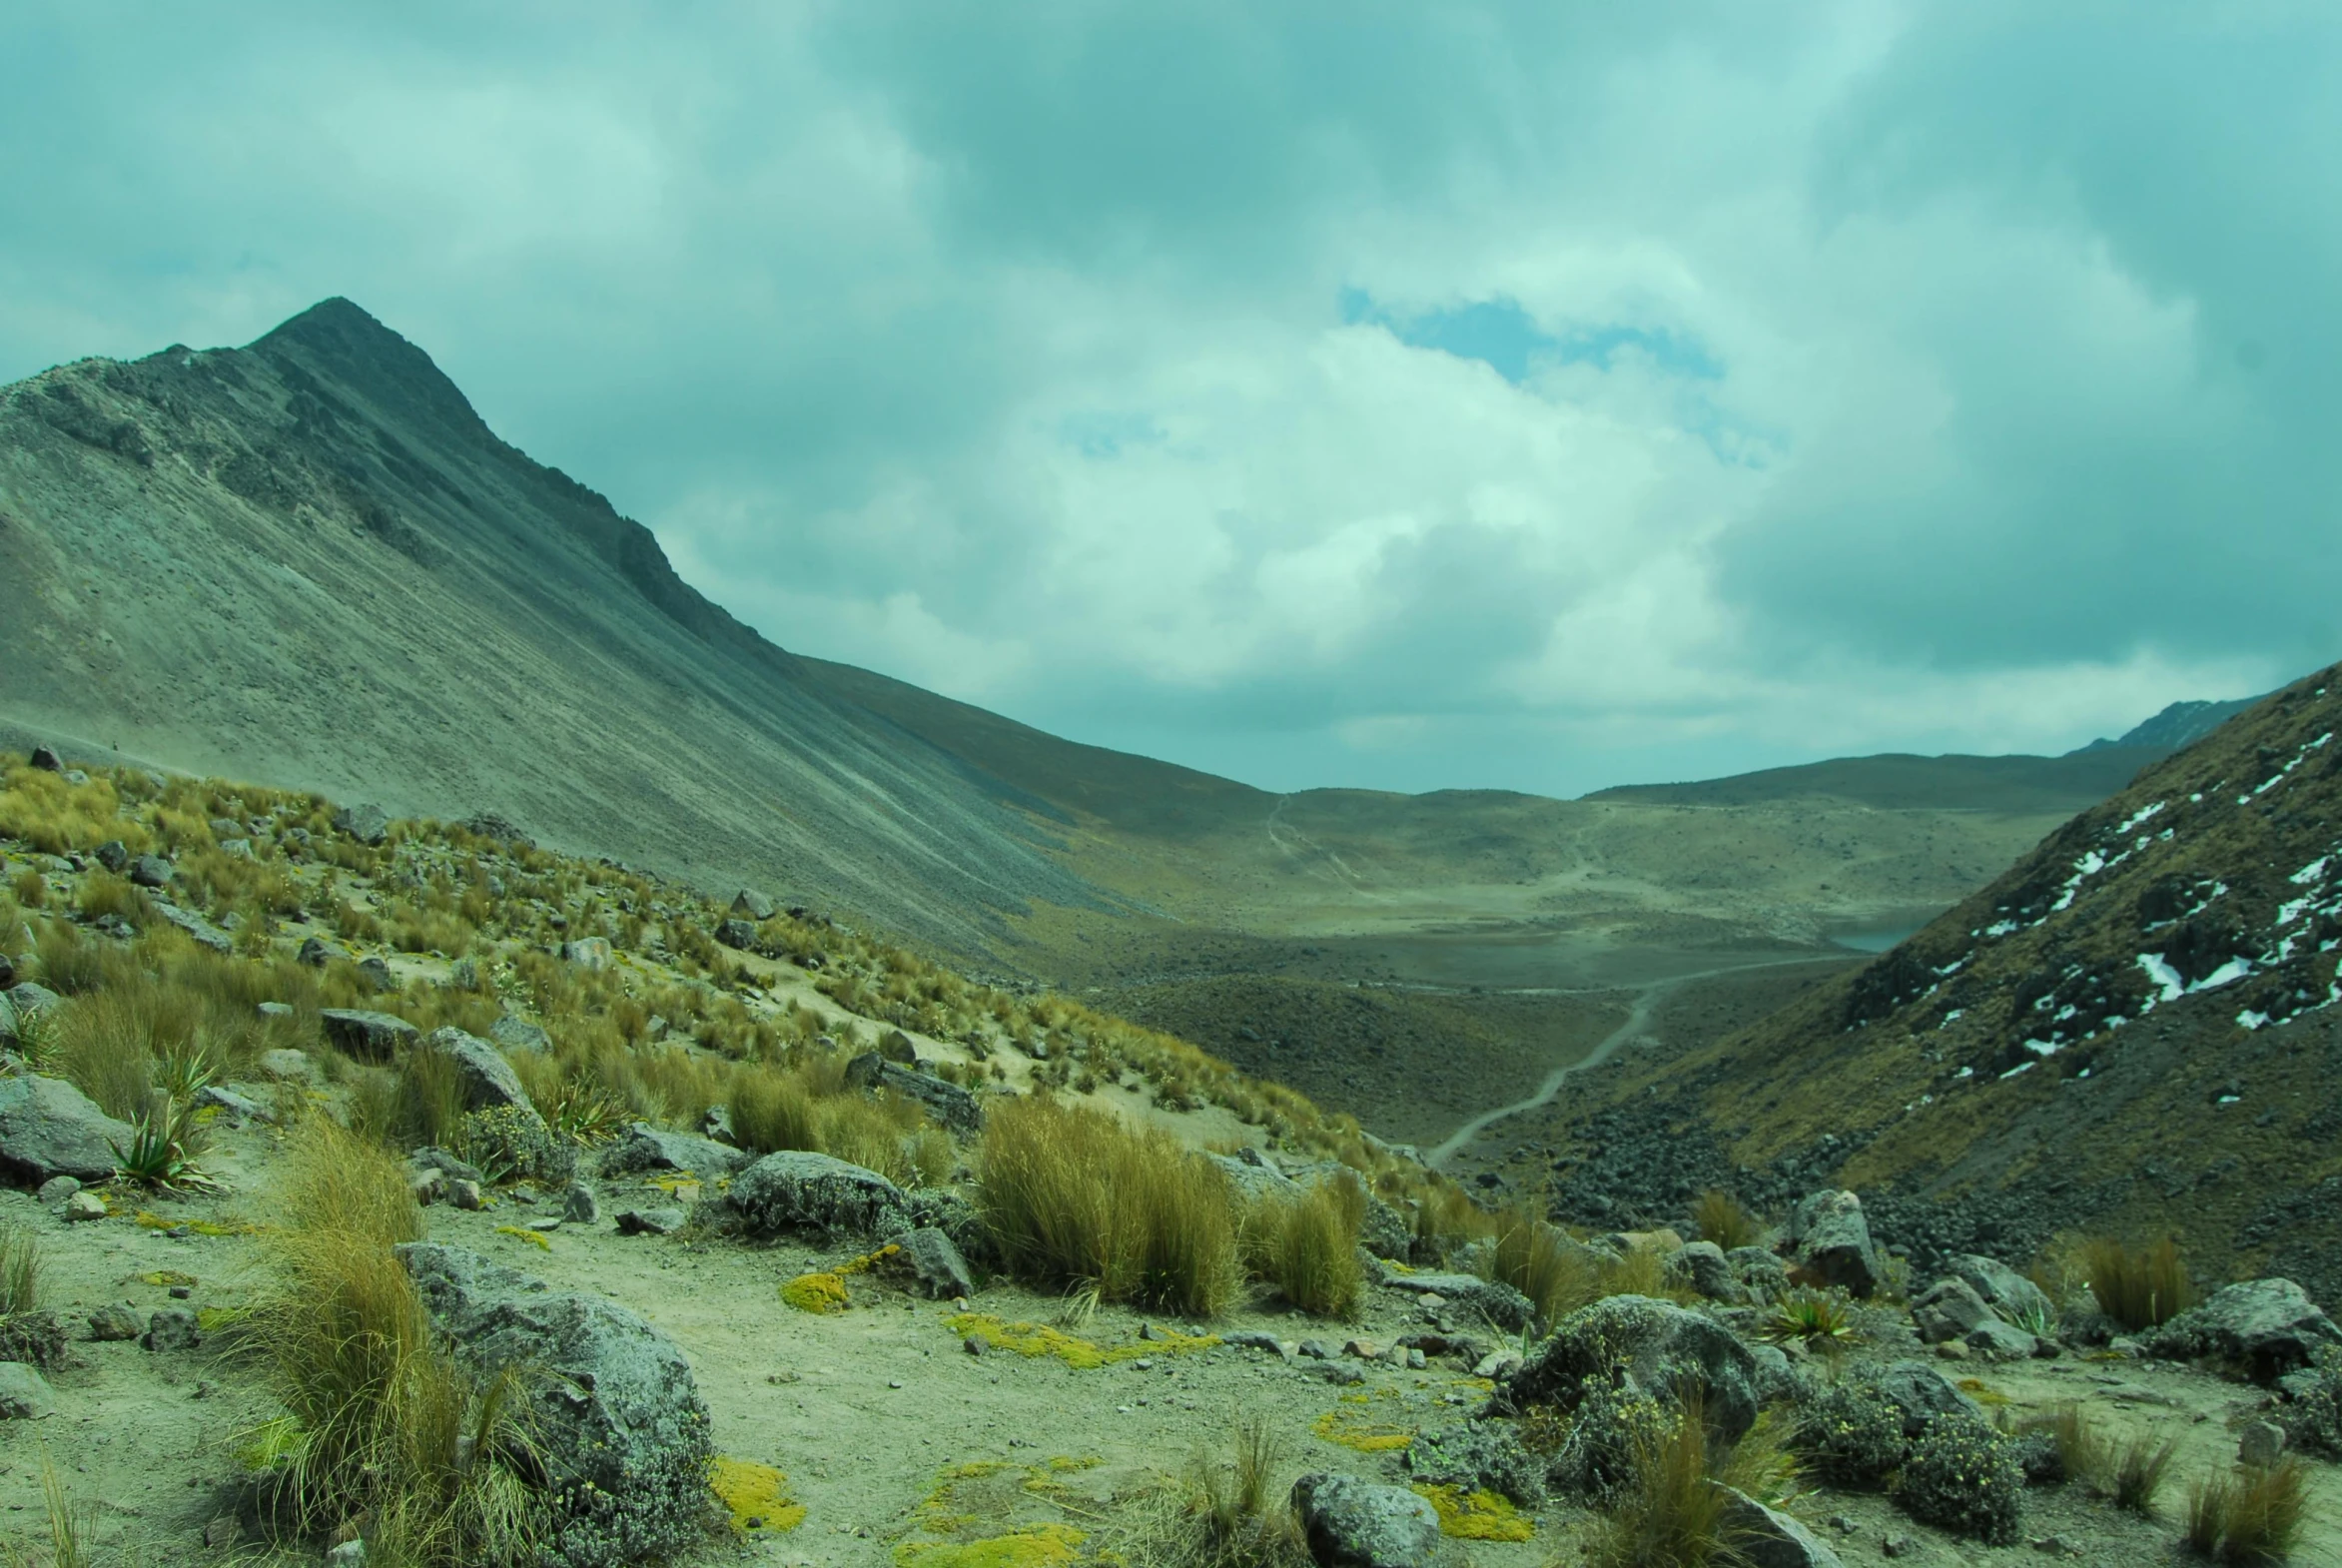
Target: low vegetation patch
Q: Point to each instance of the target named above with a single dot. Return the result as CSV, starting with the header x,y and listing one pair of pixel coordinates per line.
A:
x,y
2252,1515
2138,1288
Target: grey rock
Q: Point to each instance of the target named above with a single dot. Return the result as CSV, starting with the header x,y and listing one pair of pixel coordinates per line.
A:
x,y
649,1221
317,953
1766,1538
272,1012
2003,1342
24,1394
795,1191
748,904
2010,1294
113,1323
1351,1523
198,929
113,855
647,1147
716,1123
81,1206
229,1103
374,1036
46,759
1259,1339
1664,1349
1833,1244
488,1080
292,1067
895,1045
26,999
945,1104
1760,1272
1496,1302
1950,1309
737,934
591,954
1702,1268
48,1129
519,1033
365,822
2260,1444
1478,1455
55,1190
1254,1182
579,1206
469,1196
1317,1349
619,1418
935,1263
375,971
2263,1327
455,1169
1922,1393
173,1329
347,1554
150,871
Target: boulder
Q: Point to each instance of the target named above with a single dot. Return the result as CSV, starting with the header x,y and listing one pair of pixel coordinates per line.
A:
x,y
591,954
198,929
748,904
317,953
173,1329
48,1129
150,871
736,934
26,998
488,1079
946,1103
1253,1182
579,1206
365,822
374,970
895,1045
54,1191
1832,1243
519,1033
24,1394
1477,1456
619,1419
1702,1268
292,1067
2262,1327
1950,1309
1658,1346
114,855
934,1262
375,1037
2008,1293
647,1147
2001,1342
114,1324
1921,1393
81,1206
796,1190
1499,1304
46,759
1761,1537
1353,1523
649,1221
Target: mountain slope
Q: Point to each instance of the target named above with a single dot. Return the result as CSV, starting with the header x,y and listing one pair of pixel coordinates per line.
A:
x,y
2135,1027
308,561
1897,781
2180,724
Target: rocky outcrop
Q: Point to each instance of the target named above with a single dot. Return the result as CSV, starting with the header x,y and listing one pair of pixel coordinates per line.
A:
x,y
619,1418
1831,1244
2262,1327
488,1079
369,1035
945,1104
795,1192
647,1147
50,1129
1659,1348
1352,1523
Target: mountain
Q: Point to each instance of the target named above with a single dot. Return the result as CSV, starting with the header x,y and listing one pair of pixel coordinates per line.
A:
x,y
2133,1029
2181,724
309,561
1897,781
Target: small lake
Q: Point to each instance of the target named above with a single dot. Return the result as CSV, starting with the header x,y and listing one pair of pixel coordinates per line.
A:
x,y
1874,939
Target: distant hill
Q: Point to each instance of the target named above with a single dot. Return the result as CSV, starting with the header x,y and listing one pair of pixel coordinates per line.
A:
x,y
1902,782
2181,724
2132,1029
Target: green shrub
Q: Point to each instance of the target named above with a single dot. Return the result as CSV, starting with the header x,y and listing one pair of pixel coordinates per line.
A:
x,y
1961,1475
2139,1288
1071,1196
2251,1516
1849,1433
508,1143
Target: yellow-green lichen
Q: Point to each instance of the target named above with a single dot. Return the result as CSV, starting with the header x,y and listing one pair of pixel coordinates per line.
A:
x,y
533,1237
1045,1545
166,1276
1476,1516
756,1495
825,1291
1353,1424
1037,1340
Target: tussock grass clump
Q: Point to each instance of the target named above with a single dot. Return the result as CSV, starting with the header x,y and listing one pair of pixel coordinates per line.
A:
x,y
383,1430
1670,1512
1725,1221
1071,1196
2252,1516
1227,1510
1307,1246
20,1269
55,817
2138,1288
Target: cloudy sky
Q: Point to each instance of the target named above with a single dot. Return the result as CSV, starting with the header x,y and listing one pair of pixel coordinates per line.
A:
x,y
1543,395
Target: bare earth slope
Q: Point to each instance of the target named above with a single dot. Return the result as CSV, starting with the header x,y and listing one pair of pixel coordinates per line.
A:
x,y
308,561
2134,1027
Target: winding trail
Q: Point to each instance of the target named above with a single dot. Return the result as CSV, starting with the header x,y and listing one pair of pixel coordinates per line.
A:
x,y
1649,995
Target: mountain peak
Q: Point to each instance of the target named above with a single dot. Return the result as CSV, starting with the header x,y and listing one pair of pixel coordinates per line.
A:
x,y
339,339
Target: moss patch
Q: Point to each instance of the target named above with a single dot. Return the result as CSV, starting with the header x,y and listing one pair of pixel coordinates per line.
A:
x,y
533,1237
1038,1546
1476,1516
166,1276
1036,1339
825,1291
756,1495
1353,1424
